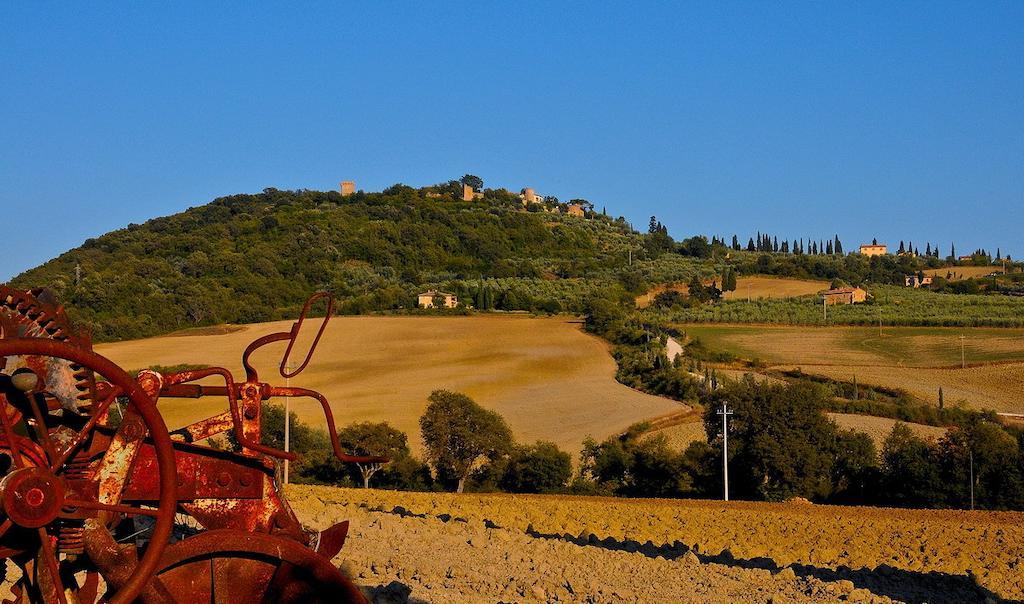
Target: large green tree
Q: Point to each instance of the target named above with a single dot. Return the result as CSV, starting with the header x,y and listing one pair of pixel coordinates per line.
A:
x,y
781,444
460,435
538,468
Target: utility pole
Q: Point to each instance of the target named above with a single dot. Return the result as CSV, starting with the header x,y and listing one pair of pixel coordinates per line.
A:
x,y
725,413
287,416
631,256
963,357
879,321
824,309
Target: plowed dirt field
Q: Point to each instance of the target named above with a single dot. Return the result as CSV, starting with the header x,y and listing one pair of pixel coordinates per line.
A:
x,y
517,548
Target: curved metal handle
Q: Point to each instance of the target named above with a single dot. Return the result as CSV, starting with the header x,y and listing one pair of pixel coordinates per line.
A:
x,y
297,327
335,443
292,335
236,414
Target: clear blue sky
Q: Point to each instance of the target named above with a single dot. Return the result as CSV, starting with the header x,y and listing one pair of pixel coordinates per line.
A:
x,y
896,120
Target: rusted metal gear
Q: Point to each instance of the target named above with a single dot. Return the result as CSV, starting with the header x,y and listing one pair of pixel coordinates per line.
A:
x,y
36,314
38,498
88,493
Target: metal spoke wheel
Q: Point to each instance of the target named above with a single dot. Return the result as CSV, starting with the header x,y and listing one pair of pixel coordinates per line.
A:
x,y
229,567
60,496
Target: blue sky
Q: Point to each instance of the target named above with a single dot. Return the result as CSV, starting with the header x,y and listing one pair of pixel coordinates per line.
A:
x,y
870,119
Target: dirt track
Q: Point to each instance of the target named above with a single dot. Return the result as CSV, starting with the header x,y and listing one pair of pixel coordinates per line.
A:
x,y
504,548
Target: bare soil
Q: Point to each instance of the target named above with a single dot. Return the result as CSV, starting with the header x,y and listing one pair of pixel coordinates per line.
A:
x,y
515,548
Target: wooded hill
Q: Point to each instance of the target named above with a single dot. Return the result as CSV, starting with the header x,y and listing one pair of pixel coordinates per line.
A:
x,y
250,258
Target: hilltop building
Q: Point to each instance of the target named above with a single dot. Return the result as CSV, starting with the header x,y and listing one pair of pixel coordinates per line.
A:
x,y
468,194
529,196
348,187
844,295
576,209
874,249
435,299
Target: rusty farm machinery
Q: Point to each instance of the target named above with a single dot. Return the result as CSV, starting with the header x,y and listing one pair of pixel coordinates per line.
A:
x,y
99,502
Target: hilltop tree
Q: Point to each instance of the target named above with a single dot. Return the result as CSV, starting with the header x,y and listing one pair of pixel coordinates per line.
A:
x,y
460,435
472,181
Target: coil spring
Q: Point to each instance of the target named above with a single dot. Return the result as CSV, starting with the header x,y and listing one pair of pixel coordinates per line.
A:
x,y
78,467
71,537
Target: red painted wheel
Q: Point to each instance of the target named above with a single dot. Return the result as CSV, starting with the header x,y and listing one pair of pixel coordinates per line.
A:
x,y
230,566
41,498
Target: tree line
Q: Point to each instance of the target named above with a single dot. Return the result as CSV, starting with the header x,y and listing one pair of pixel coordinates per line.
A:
x,y
781,446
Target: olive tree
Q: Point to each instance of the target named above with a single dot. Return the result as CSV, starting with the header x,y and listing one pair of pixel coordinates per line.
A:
x,y
459,435
368,439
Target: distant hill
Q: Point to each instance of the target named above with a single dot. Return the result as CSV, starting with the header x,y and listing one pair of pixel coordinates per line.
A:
x,y
251,258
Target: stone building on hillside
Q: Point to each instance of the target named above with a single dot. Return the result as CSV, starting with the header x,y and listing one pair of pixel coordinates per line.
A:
x,y
844,295
916,281
436,299
576,209
348,187
468,194
874,249
529,196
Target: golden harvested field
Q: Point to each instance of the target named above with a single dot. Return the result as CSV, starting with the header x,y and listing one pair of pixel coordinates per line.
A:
x,y
755,286
549,379
681,435
879,427
758,286
963,272
997,387
918,359
889,552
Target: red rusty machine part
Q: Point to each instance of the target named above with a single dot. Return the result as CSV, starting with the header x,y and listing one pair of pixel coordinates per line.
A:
x,y
100,503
